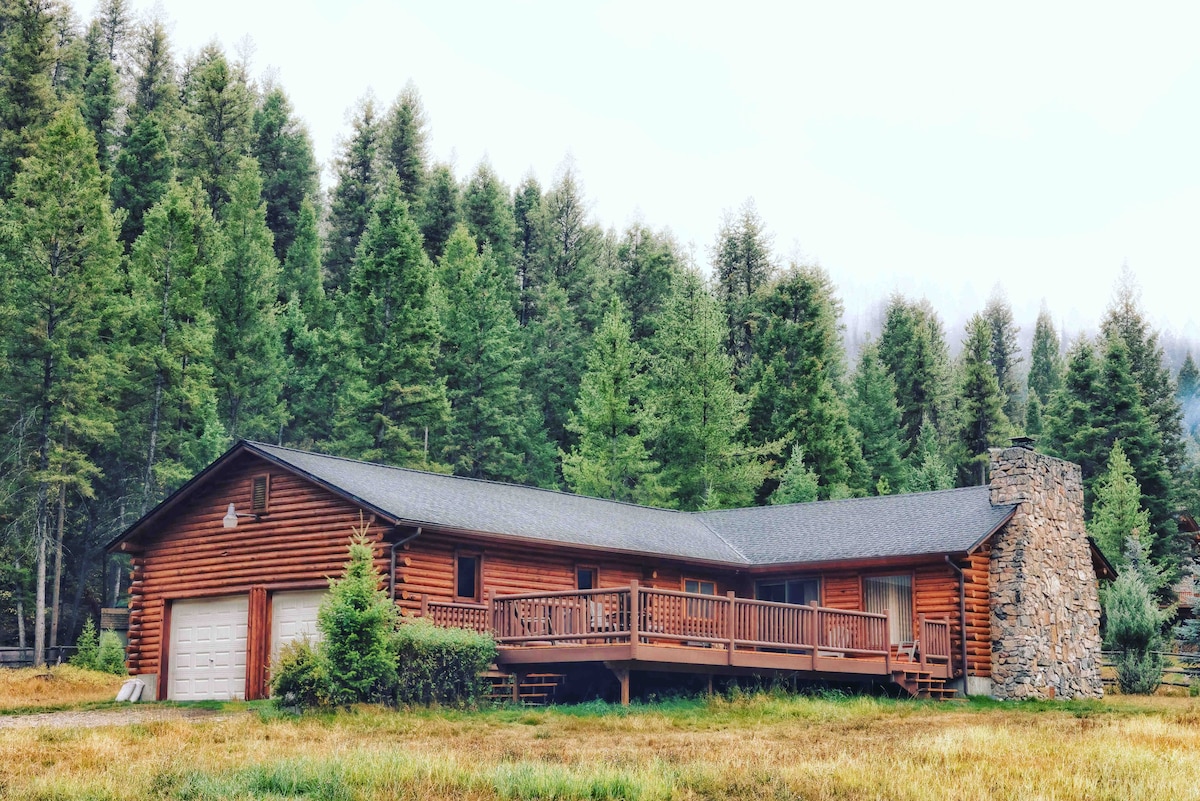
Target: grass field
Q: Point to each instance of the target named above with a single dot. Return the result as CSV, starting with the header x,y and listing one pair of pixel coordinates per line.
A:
x,y
743,747
58,687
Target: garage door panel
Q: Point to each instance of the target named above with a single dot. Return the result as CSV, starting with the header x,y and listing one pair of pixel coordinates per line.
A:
x,y
208,649
294,617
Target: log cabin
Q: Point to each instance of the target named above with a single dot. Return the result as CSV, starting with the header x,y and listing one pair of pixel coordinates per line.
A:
x,y
981,590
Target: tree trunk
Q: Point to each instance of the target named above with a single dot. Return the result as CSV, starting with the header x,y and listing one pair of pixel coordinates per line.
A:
x,y
39,602
56,598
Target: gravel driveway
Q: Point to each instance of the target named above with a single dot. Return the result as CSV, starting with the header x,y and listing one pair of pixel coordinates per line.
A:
x,y
134,713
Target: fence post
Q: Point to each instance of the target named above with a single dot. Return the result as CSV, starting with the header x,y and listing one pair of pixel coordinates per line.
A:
x,y
634,615
731,621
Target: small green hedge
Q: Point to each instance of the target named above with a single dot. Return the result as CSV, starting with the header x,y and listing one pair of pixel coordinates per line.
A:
x,y
440,665
299,677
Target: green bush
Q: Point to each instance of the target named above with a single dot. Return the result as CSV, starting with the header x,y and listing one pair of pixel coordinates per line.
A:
x,y
441,665
1133,629
357,620
110,655
86,648
299,677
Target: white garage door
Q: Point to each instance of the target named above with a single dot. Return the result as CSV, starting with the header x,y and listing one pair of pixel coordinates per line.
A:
x,y
208,649
294,616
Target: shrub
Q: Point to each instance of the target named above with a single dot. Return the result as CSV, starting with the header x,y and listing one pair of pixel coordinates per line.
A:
x,y
441,665
110,654
357,620
86,647
299,677
1133,628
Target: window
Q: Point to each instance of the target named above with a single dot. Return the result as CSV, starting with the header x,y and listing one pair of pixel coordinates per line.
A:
x,y
466,576
789,591
700,586
259,493
585,578
891,594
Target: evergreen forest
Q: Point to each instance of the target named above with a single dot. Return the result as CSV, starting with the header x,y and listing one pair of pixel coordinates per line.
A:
x,y
176,279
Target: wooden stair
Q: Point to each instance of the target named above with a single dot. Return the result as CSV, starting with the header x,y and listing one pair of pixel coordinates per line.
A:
x,y
922,684
530,689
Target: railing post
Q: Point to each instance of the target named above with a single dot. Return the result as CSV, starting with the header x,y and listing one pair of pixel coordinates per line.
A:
x,y
732,622
491,611
634,614
813,633
922,639
887,640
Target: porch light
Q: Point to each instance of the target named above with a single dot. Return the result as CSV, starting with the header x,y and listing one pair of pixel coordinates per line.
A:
x,y
230,520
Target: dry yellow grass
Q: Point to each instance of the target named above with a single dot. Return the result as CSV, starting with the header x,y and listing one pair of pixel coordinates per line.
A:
x,y
55,687
752,747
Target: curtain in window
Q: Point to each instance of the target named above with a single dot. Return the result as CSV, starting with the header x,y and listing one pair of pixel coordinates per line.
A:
x,y
892,594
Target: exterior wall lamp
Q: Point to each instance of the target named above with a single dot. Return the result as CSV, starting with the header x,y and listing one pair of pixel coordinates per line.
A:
x,y
230,520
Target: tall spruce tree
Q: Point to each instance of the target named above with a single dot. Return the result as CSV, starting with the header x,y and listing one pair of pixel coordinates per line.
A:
x,y
248,354
155,91
979,404
912,346
393,402
875,415
742,266
141,174
488,213
612,459
927,470
99,100
527,211
1045,362
647,267
59,258
482,358
353,194
1117,513
438,210
26,95
569,245
797,376
218,112
404,146
171,408
282,146
701,419
1005,352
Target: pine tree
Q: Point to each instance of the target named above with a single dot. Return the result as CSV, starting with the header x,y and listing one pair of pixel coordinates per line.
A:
x,y
527,211
980,405
702,419
61,304
742,265
248,355
100,87
350,205
403,146
482,359
875,415
797,377
1005,352
798,483
488,214
218,111
647,265
927,469
156,92
282,146
568,251
172,407
1188,381
438,210
26,95
394,400
612,459
558,348
141,175
1133,627
913,348
1117,513
1045,363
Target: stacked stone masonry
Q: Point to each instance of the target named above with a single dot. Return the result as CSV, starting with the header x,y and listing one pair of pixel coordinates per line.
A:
x,y
1045,616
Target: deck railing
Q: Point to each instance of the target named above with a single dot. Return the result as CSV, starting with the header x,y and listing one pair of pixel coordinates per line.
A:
x,y
646,615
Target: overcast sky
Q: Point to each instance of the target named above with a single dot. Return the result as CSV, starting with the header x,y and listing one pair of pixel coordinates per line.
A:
x,y
937,152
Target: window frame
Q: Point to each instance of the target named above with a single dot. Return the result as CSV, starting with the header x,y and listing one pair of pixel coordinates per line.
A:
x,y
911,575
594,570
788,580
477,555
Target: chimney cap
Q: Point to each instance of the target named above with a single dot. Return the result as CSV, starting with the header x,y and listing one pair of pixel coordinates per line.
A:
x,y
1024,442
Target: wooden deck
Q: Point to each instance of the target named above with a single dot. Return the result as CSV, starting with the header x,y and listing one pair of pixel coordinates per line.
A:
x,y
642,628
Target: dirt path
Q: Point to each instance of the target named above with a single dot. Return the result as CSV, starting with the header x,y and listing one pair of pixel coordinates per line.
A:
x,y
107,717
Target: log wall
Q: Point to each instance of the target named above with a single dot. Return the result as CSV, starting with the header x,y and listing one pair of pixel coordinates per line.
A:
x,y
979,611
299,544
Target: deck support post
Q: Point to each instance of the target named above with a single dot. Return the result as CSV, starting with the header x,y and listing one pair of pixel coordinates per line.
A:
x,y
731,622
621,671
518,680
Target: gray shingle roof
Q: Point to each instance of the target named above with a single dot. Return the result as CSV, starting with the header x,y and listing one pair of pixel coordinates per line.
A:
x,y
951,521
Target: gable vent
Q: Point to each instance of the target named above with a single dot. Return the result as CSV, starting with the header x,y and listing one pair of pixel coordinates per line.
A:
x,y
258,494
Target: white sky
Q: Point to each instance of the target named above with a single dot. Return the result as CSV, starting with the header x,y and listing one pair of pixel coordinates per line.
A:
x,y
938,152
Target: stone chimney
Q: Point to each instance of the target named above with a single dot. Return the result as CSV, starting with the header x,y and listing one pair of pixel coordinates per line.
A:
x,y
1045,601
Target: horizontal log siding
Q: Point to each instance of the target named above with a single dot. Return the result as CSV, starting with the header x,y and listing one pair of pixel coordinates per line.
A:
x,y
298,545
426,567
979,612
935,591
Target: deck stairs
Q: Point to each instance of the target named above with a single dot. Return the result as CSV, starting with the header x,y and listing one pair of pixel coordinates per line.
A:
x,y
532,689
920,683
